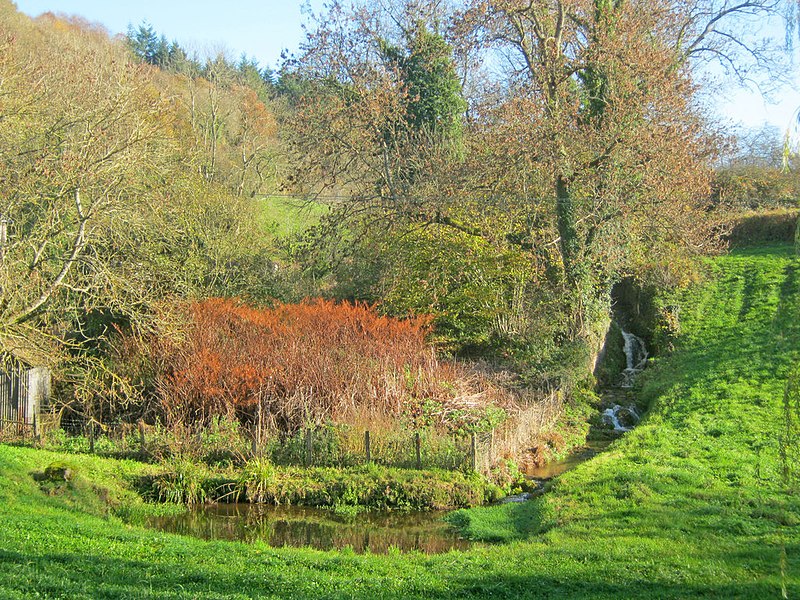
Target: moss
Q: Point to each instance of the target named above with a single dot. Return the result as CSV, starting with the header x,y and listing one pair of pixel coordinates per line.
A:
x,y
613,359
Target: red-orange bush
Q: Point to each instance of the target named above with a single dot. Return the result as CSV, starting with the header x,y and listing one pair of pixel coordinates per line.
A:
x,y
300,363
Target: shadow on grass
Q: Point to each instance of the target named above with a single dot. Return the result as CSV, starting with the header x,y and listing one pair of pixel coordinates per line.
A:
x,y
326,576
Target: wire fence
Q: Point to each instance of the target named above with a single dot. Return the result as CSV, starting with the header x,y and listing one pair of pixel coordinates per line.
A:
x,y
228,442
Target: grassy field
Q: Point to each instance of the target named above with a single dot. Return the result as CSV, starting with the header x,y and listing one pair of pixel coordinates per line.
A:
x,y
284,216
692,503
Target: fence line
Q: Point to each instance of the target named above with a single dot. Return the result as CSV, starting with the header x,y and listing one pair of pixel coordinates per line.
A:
x,y
320,446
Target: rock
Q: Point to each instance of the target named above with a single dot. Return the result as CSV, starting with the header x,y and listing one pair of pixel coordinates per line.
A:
x,y
627,417
58,473
523,497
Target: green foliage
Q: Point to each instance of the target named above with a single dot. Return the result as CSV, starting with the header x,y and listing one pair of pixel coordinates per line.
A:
x,y
288,218
103,174
181,482
763,227
342,445
256,479
613,360
752,187
435,105
475,291
222,443
369,486
148,47
797,238
508,477
349,511
57,478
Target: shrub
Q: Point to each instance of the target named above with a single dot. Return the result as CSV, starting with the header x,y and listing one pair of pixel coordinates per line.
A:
x,y
763,227
311,363
256,480
183,482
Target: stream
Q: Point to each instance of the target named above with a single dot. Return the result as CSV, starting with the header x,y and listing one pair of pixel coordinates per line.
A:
x,y
557,467
378,532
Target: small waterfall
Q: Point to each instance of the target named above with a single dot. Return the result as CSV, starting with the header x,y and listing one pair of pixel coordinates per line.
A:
x,y
635,358
624,418
611,416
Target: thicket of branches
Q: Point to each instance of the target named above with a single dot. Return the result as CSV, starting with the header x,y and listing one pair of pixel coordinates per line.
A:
x,y
120,185
307,364
583,157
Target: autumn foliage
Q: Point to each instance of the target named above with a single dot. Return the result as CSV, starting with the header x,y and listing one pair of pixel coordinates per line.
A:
x,y
306,363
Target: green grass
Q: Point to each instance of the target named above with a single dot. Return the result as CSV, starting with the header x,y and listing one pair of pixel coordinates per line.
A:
x,y
367,486
285,216
691,503
504,523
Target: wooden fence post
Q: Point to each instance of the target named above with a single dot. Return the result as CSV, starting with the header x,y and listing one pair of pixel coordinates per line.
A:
x,y
309,446
474,453
366,446
258,438
91,437
36,437
142,446
418,449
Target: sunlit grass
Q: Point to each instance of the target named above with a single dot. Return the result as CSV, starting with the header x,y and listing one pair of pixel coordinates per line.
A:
x,y
284,216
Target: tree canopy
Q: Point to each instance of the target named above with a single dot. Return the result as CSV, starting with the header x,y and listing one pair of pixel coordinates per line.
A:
x,y
107,213
495,163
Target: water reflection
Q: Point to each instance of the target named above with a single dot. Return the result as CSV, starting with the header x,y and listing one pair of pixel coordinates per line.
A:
x,y
555,468
297,526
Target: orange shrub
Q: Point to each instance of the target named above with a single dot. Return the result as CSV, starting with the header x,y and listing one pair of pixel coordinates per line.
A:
x,y
304,363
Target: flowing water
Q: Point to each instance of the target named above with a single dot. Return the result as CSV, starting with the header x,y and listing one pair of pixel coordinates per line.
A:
x,y
296,526
624,418
635,358
612,416
621,418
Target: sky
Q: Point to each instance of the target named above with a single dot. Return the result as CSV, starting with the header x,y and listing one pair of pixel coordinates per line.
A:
x,y
258,28
261,29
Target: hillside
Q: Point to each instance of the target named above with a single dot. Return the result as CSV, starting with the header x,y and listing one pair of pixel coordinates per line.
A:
x,y
692,503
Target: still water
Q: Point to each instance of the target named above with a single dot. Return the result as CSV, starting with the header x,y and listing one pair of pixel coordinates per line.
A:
x,y
299,526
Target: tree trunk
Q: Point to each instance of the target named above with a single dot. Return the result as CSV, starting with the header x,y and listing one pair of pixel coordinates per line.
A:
x,y
568,232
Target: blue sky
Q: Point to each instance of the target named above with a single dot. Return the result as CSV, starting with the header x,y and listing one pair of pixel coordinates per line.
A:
x,y
259,28
262,28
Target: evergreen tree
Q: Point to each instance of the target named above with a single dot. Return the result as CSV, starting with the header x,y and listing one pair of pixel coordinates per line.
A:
x,y
253,77
144,42
435,105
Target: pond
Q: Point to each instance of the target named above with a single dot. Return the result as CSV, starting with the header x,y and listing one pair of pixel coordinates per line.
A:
x,y
298,526
372,531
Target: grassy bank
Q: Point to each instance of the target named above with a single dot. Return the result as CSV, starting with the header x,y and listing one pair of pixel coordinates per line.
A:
x,y
368,486
692,503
